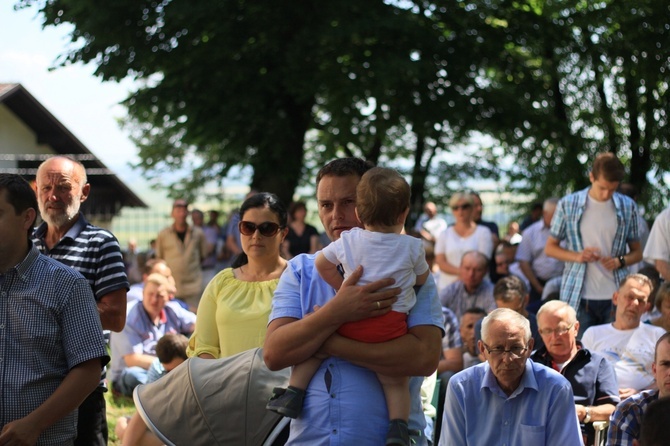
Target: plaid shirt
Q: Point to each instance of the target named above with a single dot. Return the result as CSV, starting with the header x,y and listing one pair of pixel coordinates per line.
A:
x,y
49,324
625,421
565,226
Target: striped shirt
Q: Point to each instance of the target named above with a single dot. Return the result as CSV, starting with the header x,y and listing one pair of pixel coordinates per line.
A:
x,y
48,324
92,251
565,226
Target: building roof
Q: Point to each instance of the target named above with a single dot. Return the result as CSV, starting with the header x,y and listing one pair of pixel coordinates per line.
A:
x,y
108,192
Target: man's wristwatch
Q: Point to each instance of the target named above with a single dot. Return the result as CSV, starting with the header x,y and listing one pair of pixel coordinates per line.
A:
x,y
622,260
587,417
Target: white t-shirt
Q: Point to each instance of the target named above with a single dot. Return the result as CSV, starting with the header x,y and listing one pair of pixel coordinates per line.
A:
x,y
382,255
598,227
658,244
453,246
631,352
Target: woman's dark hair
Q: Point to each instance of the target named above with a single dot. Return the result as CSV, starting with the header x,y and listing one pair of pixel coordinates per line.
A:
x,y
261,200
294,206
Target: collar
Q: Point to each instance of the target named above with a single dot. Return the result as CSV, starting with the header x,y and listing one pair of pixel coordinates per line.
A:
x,y
162,317
26,264
528,381
72,233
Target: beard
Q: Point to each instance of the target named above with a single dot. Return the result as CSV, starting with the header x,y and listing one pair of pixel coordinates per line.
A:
x,y
58,217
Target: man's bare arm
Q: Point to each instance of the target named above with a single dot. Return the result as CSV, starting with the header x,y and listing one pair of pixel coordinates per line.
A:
x,y
663,268
290,341
80,381
112,309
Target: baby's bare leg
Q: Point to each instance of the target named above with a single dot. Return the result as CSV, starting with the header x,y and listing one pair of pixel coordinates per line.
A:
x,y
396,391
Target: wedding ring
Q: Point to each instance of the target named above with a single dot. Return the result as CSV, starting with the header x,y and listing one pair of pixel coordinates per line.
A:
x,y
378,306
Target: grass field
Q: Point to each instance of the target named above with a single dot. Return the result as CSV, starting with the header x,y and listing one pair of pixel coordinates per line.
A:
x,y
117,406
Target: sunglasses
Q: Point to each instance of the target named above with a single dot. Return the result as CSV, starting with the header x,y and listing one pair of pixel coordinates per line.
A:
x,y
267,228
465,207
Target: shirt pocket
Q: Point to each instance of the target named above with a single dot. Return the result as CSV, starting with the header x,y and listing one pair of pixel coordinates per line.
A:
x,y
531,434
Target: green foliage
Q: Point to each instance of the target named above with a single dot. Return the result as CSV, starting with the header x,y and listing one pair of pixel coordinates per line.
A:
x,y
284,87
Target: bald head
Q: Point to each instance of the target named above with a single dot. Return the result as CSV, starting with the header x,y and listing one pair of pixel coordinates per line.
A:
x,y
61,189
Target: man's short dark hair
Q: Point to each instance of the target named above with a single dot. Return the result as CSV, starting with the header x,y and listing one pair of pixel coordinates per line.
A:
x,y
19,194
510,289
475,310
150,264
608,167
343,167
170,347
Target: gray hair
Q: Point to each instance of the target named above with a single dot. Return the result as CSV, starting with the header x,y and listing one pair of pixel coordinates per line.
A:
x,y
554,306
506,315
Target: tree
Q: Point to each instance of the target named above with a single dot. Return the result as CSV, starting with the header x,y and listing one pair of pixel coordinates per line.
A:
x,y
240,83
571,79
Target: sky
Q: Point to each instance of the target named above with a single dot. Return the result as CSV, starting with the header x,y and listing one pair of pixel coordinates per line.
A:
x,y
86,106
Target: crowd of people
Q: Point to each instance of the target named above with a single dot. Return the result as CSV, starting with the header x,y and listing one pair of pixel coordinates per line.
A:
x,y
531,338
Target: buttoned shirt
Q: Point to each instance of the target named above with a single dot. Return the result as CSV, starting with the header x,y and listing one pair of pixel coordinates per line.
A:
x,y
539,412
452,333
626,419
344,403
531,250
565,226
458,299
49,324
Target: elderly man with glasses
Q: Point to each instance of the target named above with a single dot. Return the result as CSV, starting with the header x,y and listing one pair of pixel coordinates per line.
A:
x,y
508,399
592,377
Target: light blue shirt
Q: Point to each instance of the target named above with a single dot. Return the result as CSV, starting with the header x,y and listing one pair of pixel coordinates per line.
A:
x,y
541,411
344,404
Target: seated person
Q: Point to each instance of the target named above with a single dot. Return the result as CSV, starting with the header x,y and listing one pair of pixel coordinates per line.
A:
x,y
170,352
628,416
508,399
451,360
134,348
472,289
626,343
469,321
591,376
510,292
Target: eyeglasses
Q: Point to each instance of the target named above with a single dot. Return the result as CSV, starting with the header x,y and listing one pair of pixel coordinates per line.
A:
x,y
560,331
465,207
267,228
514,352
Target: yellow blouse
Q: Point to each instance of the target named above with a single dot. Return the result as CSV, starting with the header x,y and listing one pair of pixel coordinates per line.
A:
x,y
232,316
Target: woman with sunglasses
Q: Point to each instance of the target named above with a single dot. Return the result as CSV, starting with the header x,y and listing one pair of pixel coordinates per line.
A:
x,y
463,236
234,309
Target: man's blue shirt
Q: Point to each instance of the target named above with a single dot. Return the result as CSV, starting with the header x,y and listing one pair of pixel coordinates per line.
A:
x,y
345,404
539,412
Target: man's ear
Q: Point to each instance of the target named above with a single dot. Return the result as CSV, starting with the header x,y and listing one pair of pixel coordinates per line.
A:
x,y
85,191
531,344
615,297
480,345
